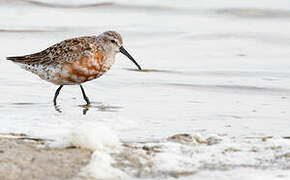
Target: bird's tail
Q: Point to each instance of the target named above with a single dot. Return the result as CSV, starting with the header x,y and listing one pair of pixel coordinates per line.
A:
x,y
17,59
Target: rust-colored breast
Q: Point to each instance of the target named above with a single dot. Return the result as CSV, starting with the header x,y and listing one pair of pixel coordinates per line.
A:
x,y
85,68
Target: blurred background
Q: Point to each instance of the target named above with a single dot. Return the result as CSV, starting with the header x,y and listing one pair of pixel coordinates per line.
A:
x,y
211,66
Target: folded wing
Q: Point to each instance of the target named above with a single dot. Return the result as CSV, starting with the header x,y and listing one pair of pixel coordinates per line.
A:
x,y
63,52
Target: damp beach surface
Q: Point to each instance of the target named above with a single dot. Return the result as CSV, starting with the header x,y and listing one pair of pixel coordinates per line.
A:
x,y
211,103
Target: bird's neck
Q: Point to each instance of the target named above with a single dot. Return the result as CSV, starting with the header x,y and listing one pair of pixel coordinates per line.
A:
x,y
109,60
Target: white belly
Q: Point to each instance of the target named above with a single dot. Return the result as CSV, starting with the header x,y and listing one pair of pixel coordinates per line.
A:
x,y
53,74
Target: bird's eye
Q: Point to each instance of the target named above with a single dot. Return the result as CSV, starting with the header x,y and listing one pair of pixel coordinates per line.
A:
x,y
113,41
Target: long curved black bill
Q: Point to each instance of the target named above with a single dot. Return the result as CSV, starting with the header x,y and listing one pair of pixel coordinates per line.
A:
x,y
123,51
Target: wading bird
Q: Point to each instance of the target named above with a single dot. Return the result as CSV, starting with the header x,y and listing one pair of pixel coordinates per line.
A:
x,y
75,61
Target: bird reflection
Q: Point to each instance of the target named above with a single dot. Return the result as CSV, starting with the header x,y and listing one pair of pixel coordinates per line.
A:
x,y
86,108
57,108
95,105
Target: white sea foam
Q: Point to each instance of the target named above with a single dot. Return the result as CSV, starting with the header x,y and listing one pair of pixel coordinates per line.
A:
x,y
95,137
100,139
101,168
232,78
185,156
182,155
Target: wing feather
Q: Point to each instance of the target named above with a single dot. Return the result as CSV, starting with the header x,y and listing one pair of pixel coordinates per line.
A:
x,y
63,52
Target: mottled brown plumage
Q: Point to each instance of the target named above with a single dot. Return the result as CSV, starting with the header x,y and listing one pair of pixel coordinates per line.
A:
x,y
68,50
75,61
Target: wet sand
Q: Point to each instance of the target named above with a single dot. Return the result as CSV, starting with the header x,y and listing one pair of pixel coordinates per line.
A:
x,y
25,159
211,103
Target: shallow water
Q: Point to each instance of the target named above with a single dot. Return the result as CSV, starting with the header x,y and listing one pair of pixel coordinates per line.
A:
x,y
209,67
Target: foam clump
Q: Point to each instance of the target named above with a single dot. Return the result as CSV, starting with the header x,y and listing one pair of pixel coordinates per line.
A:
x,y
101,168
95,137
102,141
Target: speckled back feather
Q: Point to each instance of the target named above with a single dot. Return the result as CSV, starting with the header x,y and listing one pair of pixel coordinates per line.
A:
x,y
67,50
63,52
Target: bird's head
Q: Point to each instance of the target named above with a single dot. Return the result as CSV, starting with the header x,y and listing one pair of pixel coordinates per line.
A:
x,y
113,42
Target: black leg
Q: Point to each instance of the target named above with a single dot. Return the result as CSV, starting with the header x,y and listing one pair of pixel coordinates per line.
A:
x,y
56,94
84,95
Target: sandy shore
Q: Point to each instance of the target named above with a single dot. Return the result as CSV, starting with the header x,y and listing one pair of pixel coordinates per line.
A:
x,y
23,159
